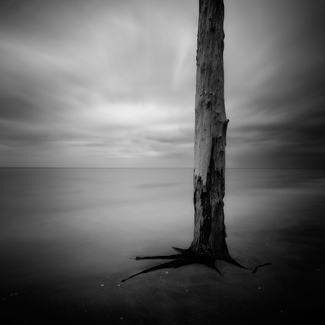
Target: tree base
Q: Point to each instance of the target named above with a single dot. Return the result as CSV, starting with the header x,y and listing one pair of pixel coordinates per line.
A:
x,y
186,257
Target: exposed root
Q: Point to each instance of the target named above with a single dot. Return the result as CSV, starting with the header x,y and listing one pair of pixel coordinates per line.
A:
x,y
185,258
181,250
155,268
230,260
264,264
164,257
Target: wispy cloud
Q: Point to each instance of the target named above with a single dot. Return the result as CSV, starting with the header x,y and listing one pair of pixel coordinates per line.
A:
x,y
112,83
275,97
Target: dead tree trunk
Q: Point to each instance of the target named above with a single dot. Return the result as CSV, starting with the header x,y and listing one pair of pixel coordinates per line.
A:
x,y
209,242
210,134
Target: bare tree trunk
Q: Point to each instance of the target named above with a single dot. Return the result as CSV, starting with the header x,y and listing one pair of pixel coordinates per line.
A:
x,y
210,134
209,242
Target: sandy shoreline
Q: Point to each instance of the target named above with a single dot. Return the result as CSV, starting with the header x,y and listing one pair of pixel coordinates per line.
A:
x,y
277,294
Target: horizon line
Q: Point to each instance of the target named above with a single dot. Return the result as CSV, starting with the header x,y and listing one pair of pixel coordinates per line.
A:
x,y
52,167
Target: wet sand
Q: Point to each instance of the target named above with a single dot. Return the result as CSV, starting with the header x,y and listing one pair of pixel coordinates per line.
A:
x,y
284,293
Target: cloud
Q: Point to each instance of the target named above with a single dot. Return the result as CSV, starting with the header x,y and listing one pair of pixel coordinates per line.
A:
x,y
275,97
112,83
93,79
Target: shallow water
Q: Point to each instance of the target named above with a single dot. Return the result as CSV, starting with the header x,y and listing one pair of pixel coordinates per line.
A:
x,y
64,232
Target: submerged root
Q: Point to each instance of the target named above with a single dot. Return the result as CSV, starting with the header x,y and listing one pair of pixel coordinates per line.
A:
x,y
185,258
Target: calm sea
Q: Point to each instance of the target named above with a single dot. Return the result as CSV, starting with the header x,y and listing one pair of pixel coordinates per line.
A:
x,y
59,226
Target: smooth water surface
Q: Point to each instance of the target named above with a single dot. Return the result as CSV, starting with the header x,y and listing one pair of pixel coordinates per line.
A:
x,y
64,232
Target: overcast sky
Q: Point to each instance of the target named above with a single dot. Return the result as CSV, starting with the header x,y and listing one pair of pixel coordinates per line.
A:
x,y
111,83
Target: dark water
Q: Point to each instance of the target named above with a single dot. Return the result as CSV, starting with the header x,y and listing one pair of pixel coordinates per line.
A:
x,y
65,234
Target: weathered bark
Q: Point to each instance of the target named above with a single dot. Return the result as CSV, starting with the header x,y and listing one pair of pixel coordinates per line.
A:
x,y
210,134
209,242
